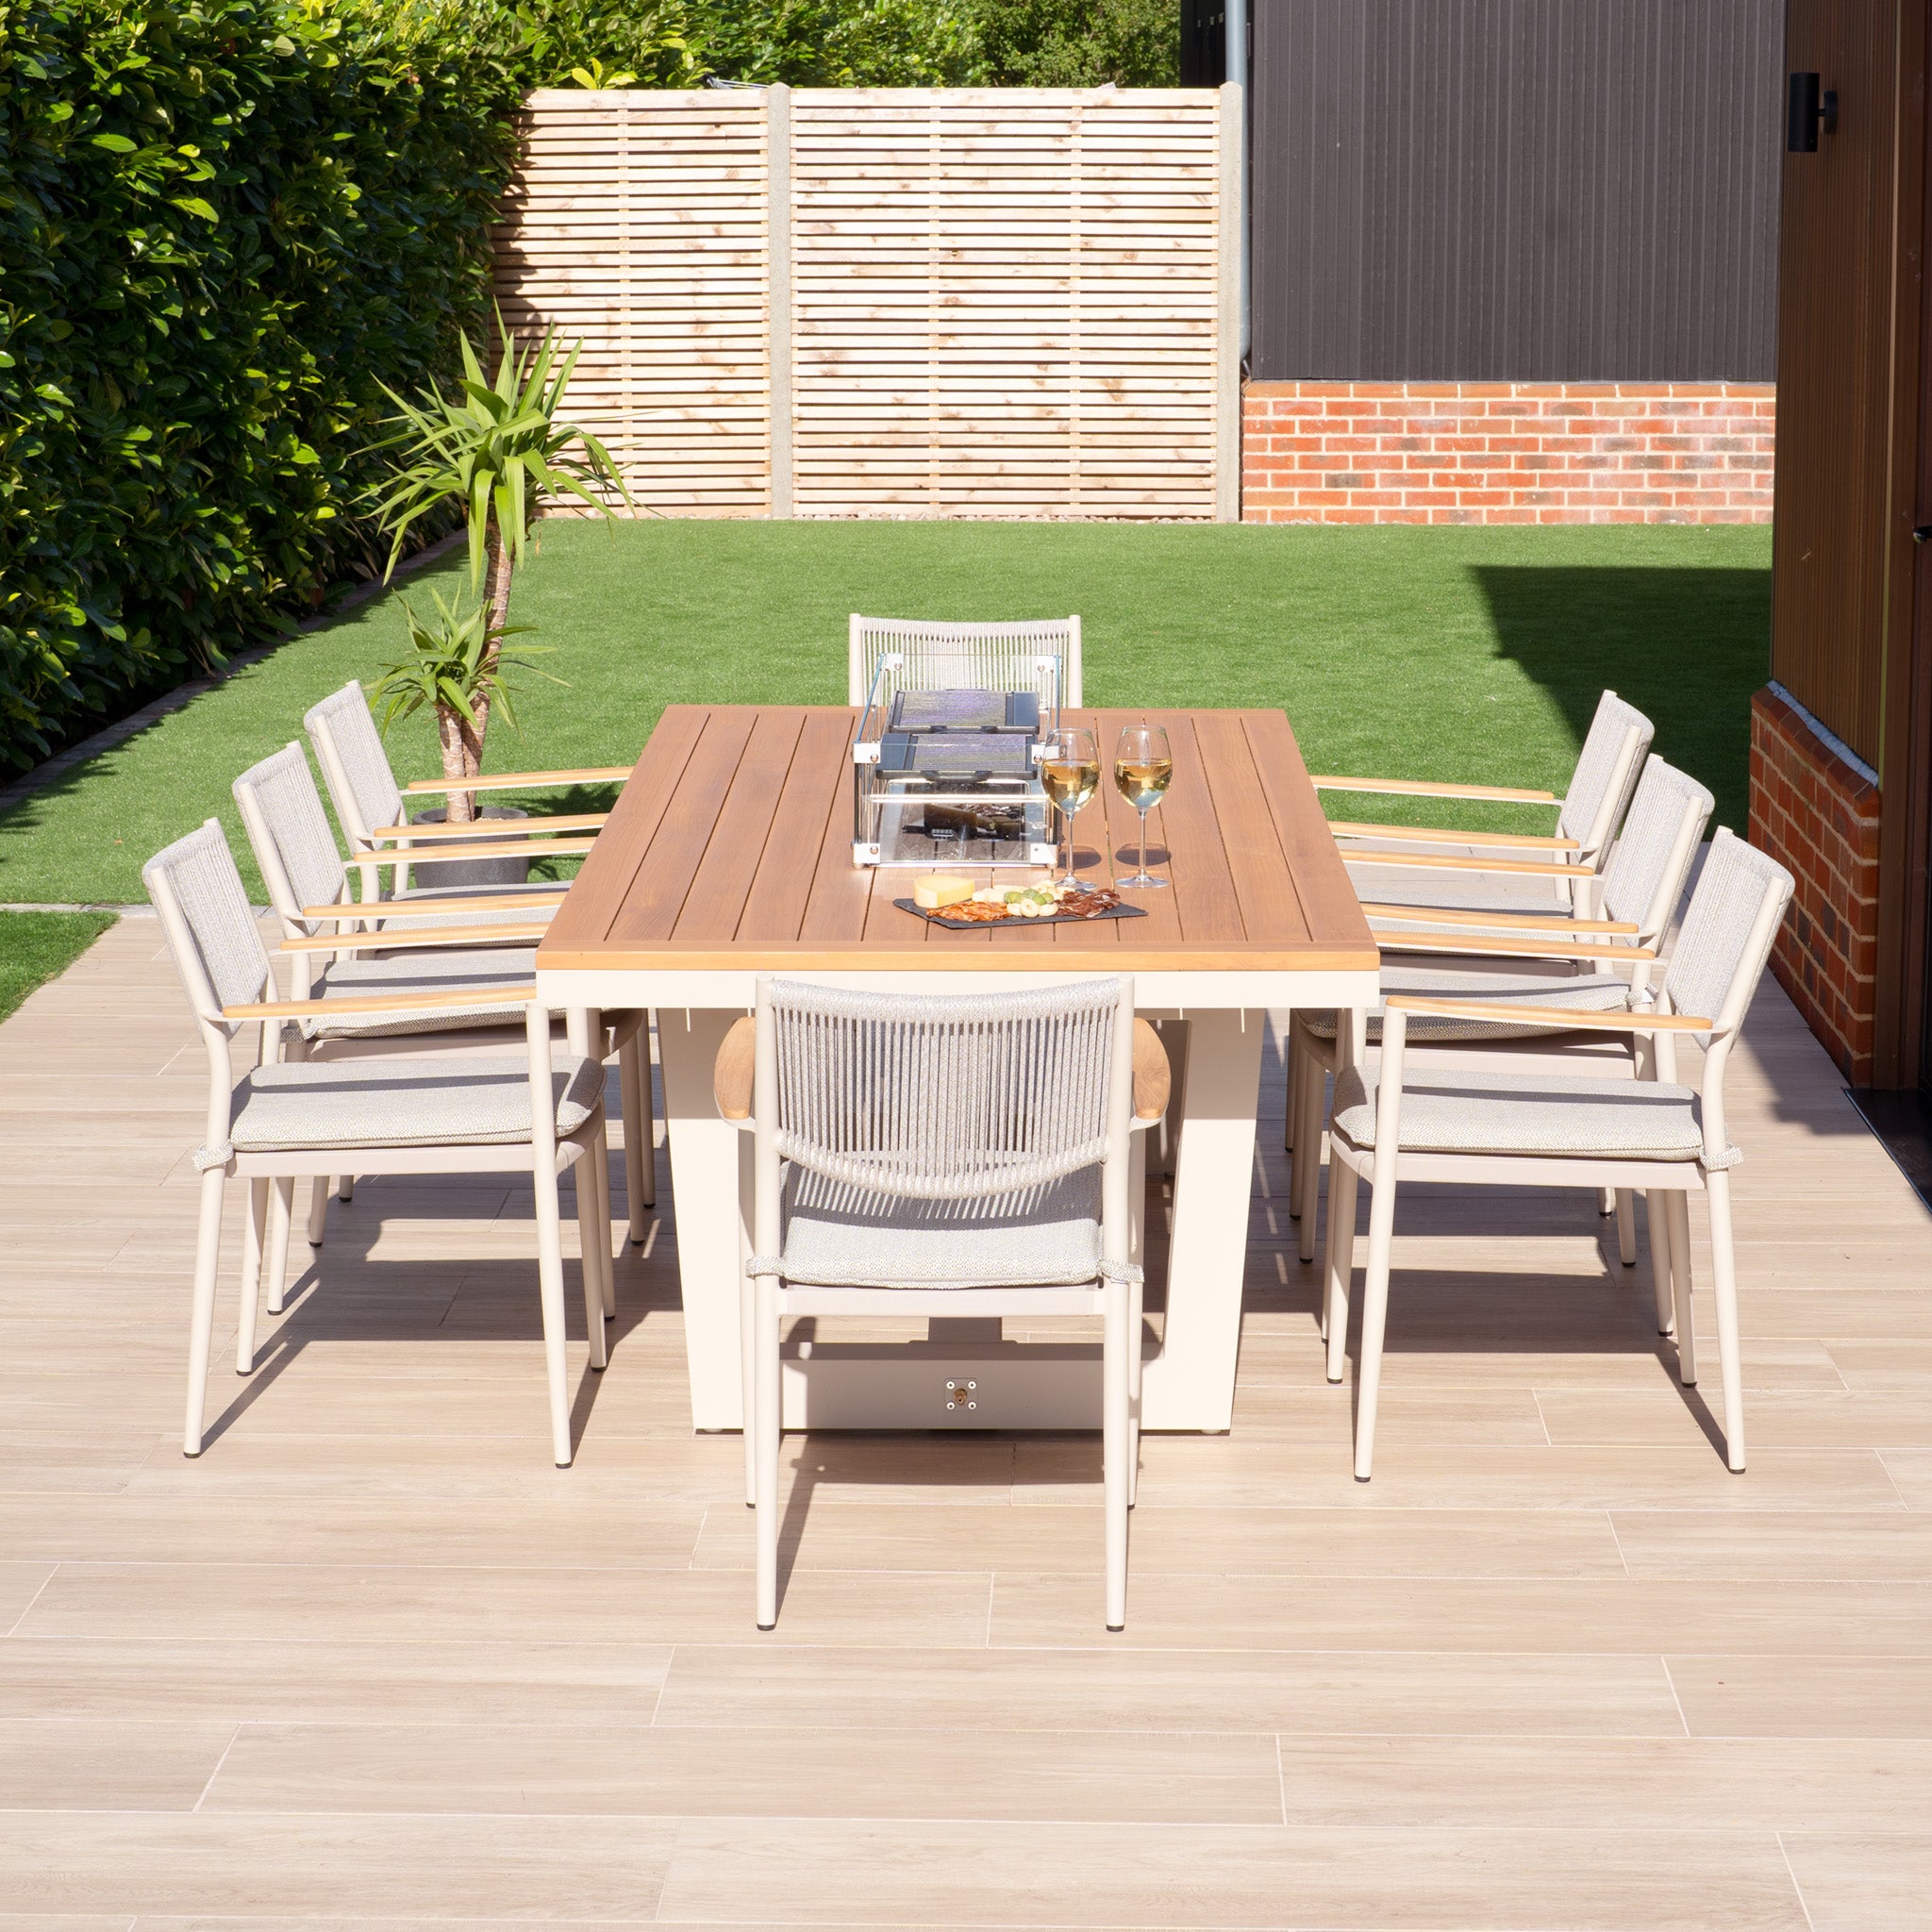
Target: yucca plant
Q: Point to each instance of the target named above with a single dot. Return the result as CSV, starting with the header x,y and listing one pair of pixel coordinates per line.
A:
x,y
502,450
459,665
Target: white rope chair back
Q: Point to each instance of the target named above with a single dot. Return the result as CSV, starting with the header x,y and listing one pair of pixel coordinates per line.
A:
x,y
1606,774
353,760
967,657
941,1098
210,926
290,835
1727,931
1645,877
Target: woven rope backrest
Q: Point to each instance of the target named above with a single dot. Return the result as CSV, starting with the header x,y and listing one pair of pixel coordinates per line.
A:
x,y
231,966
943,1098
973,657
1598,770
289,808
1642,883
1713,965
343,715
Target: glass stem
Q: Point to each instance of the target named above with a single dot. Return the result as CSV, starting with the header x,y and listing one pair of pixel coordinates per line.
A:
x,y
1143,842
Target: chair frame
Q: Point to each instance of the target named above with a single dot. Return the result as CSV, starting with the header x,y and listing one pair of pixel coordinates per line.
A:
x,y
860,656
1386,1165
271,1174
1138,1093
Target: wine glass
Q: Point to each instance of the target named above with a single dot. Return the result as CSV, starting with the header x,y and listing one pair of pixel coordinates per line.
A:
x,y
1070,770
1142,769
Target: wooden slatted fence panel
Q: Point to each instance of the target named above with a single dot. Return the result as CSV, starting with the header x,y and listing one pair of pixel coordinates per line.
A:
x,y
1010,302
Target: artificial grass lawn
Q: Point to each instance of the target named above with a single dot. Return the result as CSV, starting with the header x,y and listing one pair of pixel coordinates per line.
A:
x,y
1474,655
36,946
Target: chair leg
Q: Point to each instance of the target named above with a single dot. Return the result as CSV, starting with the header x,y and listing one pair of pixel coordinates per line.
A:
x,y
600,1199
639,1162
254,1232
320,1188
1342,1183
1137,1319
1677,1205
1292,1111
1606,1202
345,1188
770,1422
590,1239
1368,1372
1116,1409
550,1296
1724,1281
748,1371
1308,1161
1657,1227
1626,1227
281,1212
208,1255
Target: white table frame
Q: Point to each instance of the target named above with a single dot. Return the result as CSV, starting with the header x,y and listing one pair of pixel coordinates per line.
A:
x,y
1188,1381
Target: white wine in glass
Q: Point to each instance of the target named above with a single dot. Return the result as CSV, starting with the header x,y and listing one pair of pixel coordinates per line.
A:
x,y
1070,771
1142,770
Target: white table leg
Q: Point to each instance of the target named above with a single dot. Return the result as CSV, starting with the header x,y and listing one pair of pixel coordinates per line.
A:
x,y
1189,1384
705,1157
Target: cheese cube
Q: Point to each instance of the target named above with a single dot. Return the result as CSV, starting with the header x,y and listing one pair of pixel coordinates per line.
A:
x,y
941,890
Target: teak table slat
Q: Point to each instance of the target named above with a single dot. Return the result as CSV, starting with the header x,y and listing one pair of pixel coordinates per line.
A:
x,y
729,856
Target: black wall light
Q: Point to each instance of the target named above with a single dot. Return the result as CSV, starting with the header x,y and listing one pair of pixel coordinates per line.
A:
x,y
1806,111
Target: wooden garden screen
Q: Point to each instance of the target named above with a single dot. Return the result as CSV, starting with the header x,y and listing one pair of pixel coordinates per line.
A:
x,y
901,303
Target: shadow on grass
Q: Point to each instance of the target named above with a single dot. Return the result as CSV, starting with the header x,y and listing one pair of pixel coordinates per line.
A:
x,y
1685,646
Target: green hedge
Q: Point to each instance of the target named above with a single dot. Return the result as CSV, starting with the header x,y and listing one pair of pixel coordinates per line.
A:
x,y
222,226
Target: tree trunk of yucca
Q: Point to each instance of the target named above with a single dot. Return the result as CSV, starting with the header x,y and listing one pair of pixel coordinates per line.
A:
x,y
462,743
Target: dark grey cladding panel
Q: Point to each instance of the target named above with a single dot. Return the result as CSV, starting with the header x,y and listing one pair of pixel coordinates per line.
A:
x,y
1516,190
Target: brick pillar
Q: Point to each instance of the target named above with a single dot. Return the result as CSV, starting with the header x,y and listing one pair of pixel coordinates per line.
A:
x,y
1814,809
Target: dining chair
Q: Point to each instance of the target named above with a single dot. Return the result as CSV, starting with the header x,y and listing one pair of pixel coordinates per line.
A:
x,y
1503,872
310,890
979,656
1611,958
466,940
370,804
943,1156
284,1119
1546,1130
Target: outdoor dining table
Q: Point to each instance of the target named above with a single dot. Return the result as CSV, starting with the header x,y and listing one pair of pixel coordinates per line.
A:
x,y
729,856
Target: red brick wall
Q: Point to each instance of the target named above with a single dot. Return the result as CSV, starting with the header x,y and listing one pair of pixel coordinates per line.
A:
x,y
1817,813
1507,452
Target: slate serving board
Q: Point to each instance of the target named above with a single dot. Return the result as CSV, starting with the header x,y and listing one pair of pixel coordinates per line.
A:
x,y
1002,924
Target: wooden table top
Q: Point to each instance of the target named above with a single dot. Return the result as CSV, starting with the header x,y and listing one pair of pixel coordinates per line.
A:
x,y
731,848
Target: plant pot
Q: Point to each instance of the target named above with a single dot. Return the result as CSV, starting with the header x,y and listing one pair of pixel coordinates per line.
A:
x,y
443,874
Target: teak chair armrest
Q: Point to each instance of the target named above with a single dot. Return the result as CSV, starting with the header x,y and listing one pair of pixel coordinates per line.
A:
x,y
1423,788
499,829
1577,1022
1451,861
484,902
422,855
1533,922
506,781
479,997
411,938
1437,834
1502,945
731,1071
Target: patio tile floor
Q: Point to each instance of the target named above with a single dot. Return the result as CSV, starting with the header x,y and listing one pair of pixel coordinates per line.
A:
x,y
371,1660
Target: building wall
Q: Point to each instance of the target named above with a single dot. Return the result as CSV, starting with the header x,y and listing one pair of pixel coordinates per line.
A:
x,y
1814,807
1516,190
1507,452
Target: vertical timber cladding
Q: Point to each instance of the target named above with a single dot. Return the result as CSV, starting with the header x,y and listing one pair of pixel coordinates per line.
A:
x,y
999,303
636,223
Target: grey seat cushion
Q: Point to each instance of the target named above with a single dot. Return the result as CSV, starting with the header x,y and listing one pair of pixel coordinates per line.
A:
x,y
1531,1114
1594,993
446,970
838,1235
1468,891
404,1103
